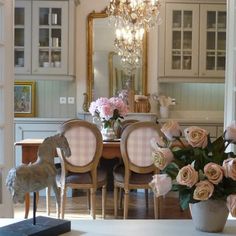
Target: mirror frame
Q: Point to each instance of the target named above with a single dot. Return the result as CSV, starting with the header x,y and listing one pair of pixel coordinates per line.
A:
x,y
90,79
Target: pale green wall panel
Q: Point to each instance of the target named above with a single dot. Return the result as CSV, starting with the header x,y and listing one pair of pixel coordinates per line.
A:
x,y
48,95
190,96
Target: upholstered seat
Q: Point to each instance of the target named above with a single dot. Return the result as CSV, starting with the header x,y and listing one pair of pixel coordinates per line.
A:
x,y
85,178
135,178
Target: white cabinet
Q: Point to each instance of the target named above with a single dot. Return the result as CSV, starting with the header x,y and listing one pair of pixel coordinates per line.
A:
x,y
22,37
212,41
192,39
43,45
181,55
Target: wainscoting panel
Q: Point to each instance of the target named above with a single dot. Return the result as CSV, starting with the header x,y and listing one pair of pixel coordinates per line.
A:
x,y
194,97
48,95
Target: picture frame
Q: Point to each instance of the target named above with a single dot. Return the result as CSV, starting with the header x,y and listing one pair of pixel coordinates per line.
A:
x,y
24,99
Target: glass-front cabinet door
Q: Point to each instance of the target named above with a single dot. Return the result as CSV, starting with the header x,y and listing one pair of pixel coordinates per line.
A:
x,y
213,40
22,50
50,37
181,40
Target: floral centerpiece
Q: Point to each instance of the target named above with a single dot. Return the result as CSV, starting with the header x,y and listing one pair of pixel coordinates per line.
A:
x,y
109,111
198,168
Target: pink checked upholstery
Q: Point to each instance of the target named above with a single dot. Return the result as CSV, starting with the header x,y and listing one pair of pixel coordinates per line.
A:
x,y
138,146
82,143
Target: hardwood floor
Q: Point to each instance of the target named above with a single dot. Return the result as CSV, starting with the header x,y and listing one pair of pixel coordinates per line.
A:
x,y
76,207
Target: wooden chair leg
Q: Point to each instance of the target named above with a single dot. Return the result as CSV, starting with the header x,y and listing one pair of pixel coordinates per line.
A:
x,y
63,201
104,193
115,200
88,199
157,212
48,199
146,198
126,203
120,197
93,202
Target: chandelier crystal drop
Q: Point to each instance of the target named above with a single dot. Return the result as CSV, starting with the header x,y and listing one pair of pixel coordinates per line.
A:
x,y
140,13
128,43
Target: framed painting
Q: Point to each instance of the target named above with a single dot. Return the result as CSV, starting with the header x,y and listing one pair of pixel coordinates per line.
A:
x,y
24,99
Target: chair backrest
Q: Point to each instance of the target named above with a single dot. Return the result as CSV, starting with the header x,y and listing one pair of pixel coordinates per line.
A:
x,y
123,125
136,147
85,141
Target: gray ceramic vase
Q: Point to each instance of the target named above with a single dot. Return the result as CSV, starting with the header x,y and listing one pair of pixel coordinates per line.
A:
x,y
210,215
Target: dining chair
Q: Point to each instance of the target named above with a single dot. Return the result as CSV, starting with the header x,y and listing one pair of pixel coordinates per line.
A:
x,y
138,168
123,125
80,170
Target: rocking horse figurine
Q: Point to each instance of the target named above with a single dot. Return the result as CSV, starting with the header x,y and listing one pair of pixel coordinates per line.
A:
x,y
39,175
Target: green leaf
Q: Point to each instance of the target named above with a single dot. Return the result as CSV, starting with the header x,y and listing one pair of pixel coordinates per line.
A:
x,y
184,198
172,170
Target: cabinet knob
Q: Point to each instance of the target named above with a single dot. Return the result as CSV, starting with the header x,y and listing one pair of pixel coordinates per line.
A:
x,y
20,128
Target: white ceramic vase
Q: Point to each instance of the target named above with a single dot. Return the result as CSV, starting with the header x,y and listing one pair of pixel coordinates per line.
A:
x,y
108,133
210,215
164,112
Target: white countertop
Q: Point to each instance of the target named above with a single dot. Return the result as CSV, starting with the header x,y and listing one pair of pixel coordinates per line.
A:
x,y
137,228
194,120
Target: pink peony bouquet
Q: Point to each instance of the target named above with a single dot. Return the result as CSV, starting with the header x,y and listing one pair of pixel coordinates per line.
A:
x,y
200,169
109,110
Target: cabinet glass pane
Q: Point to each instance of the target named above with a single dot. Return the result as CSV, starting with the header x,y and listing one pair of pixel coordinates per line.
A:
x,y
44,37
188,18
176,62
210,61
43,16
56,16
176,43
221,40
187,44
19,37
211,19
56,58
220,61
44,58
222,19
56,37
187,60
211,38
19,16
19,58
176,21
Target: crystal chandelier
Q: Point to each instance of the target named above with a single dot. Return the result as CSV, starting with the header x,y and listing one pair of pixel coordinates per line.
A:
x,y
128,43
131,19
139,13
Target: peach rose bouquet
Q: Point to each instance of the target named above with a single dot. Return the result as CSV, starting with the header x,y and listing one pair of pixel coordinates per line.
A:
x,y
200,169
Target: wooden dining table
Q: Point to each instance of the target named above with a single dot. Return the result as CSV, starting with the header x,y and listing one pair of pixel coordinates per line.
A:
x,y
111,149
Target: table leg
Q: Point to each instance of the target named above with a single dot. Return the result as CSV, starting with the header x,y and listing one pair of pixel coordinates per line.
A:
x,y
27,204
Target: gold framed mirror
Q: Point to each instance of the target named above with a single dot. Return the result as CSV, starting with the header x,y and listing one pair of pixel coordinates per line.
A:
x,y
102,79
